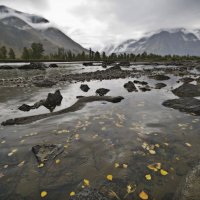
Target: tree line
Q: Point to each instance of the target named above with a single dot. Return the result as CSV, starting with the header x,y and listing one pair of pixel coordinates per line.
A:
x,y
37,52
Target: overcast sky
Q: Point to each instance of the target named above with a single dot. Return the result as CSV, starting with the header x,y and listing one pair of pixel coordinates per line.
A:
x,y
94,23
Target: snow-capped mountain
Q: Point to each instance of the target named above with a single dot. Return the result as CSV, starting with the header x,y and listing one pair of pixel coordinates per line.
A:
x,y
163,42
19,30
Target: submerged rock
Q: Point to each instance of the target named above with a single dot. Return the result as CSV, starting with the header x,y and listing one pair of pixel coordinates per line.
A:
x,y
88,64
84,87
160,77
187,79
187,90
140,82
89,194
6,67
187,104
130,86
47,152
53,65
102,91
160,85
189,189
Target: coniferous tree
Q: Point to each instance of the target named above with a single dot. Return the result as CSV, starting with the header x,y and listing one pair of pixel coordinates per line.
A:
x,y
25,54
11,54
37,51
3,52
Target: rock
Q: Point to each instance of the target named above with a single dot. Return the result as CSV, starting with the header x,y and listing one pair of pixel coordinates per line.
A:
x,y
89,194
140,82
104,65
47,152
189,189
160,77
25,108
39,66
6,67
44,83
84,87
53,65
160,85
78,97
53,100
50,103
102,91
115,68
88,64
187,79
125,63
187,90
130,86
187,104
145,89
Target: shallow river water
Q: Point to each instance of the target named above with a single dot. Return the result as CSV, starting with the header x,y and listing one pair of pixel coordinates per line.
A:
x,y
96,139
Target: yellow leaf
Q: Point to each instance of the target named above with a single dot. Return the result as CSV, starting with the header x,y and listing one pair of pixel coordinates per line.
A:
x,y
116,165
86,182
110,177
148,177
58,161
152,152
40,165
125,166
188,144
72,193
143,195
43,194
21,164
130,189
155,167
157,145
163,172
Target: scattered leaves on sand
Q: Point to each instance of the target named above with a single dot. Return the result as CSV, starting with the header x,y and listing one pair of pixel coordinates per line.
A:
x,y
41,165
155,167
125,166
12,152
109,177
58,161
43,194
131,189
116,165
143,195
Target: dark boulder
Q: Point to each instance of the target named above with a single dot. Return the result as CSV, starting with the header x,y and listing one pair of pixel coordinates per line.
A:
x,y
130,86
6,67
84,87
187,79
187,104
53,65
53,100
25,108
125,64
102,91
160,77
160,85
104,65
145,89
44,83
88,64
140,82
187,90
31,66
47,152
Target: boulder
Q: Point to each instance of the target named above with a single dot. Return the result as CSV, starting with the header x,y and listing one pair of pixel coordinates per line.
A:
x,y
160,85
187,79
187,90
186,104
125,63
160,77
88,64
102,91
53,100
31,66
6,67
130,86
47,152
53,65
84,87
140,82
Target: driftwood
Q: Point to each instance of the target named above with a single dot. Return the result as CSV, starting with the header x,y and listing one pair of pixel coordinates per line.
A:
x,y
75,107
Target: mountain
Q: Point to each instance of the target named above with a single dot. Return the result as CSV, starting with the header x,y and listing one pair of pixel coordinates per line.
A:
x,y
19,30
163,42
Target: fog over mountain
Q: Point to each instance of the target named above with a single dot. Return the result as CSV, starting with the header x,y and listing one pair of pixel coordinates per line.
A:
x,y
19,30
163,42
